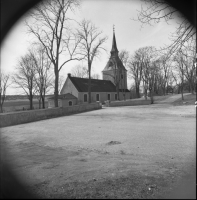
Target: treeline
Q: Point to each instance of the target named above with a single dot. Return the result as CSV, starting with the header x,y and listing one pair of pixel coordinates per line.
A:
x,y
159,72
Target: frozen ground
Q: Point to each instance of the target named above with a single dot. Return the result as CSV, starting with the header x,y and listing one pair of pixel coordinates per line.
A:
x,y
116,152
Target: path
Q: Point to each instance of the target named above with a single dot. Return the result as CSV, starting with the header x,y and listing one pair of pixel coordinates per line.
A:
x,y
131,152
171,99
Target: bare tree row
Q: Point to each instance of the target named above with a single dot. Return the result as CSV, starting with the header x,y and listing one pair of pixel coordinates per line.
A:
x,y
157,72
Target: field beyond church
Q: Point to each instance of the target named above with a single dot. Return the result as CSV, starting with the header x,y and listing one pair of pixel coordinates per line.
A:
x,y
117,152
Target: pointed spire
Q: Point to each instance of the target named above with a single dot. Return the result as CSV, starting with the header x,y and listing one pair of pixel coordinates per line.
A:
x,y
114,47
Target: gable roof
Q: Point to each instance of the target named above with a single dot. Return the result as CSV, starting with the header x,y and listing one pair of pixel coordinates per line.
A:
x,y
64,96
97,85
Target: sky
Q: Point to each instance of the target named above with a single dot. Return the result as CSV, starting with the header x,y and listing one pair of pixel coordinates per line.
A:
x,y
104,14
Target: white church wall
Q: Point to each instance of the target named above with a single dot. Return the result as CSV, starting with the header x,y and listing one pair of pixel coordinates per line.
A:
x,y
69,88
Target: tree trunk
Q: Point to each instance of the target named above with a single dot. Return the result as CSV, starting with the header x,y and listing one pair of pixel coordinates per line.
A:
x,y
145,91
43,102
164,90
1,108
151,96
182,90
178,89
89,87
137,89
56,87
39,101
31,100
191,87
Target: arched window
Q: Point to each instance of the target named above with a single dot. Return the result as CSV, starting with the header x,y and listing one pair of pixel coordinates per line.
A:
x,y
70,103
116,96
85,98
122,76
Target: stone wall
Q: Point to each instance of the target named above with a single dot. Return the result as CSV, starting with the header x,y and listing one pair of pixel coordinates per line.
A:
x,y
14,118
133,102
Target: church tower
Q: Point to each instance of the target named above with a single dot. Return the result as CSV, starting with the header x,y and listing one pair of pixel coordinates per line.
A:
x,y
115,70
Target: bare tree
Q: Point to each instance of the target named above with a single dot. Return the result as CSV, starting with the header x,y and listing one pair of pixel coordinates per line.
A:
x,y
154,11
178,58
4,84
140,68
79,71
90,45
43,77
135,70
24,78
50,25
124,57
60,84
164,63
189,59
95,76
148,62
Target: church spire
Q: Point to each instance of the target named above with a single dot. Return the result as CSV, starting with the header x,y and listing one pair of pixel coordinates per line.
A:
x,y
114,49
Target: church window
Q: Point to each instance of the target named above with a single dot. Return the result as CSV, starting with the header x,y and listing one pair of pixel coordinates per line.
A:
x,y
122,76
108,97
85,98
116,96
70,103
97,97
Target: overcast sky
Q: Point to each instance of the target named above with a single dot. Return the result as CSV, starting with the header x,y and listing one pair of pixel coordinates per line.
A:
x,y
103,13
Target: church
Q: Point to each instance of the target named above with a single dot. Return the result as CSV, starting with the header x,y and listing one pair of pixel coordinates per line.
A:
x,y
113,86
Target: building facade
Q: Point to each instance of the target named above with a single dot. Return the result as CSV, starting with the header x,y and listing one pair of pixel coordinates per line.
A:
x,y
113,86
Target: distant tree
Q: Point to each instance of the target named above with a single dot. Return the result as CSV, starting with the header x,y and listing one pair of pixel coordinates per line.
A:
x,y
4,84
50,25
43,77
95,76
79,71
90,46
24,78
189,60
135,70
180,68
155,11
152,74
149,69
140,67
164,63
124,57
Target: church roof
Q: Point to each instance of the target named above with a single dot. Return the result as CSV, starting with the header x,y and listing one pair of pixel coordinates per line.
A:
x,y
65,96
114,58
110,65
97,85
114,46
